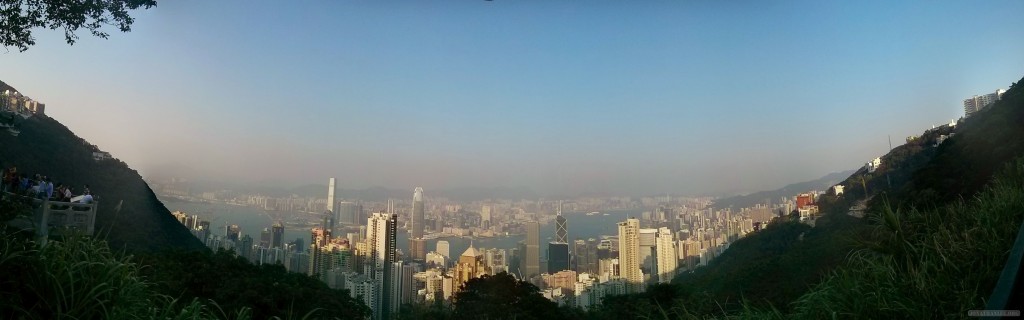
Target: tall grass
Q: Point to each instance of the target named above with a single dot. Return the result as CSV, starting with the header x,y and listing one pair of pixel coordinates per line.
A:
x,y
81,278
926,264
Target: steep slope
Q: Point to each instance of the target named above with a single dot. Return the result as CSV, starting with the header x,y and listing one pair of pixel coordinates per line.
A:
x,y
143,223
776,266
4,87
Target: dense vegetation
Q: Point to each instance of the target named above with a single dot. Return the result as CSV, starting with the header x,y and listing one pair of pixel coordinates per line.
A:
x,y
236,284
926,264
143,223
938,230
500,296
81,277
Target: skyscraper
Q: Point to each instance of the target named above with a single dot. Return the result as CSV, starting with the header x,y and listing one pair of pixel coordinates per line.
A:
x,y
381,236
417,214
532,255
471,265
277,235
668,255
418,249
558,250
444,248
558,256
417,246
629,255
232,232
561,230
347,214
330,195
648,241
585,255
265,238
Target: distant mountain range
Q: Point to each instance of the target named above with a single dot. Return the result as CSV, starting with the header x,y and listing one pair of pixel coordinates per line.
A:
x,y
377,193
773,196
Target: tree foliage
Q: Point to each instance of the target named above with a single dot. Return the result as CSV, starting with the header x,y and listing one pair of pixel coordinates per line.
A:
x,y
234,283
503,297
18,18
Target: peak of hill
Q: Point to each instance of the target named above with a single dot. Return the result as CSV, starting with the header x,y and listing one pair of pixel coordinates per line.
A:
x,y
749,200
47,147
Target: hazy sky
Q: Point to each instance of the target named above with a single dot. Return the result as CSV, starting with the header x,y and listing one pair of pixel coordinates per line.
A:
x,y
559,96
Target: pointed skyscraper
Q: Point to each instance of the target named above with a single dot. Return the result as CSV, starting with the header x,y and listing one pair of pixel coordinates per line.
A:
x,y
417,246
561,230
558,250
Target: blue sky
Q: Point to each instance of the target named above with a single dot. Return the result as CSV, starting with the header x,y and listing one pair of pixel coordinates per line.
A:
x,y
561,96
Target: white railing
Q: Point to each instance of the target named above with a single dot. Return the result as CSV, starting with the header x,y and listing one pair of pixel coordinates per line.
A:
x,y
57,217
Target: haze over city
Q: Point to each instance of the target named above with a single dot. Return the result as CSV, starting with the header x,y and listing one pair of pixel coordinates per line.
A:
x,y
693,98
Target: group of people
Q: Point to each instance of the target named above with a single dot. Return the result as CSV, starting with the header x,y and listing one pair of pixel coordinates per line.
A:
x,y
41,187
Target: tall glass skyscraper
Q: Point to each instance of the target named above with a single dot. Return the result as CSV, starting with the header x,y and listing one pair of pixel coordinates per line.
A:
x,y
417,214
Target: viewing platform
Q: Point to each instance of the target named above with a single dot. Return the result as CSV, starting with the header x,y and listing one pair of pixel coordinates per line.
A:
x,y
58,218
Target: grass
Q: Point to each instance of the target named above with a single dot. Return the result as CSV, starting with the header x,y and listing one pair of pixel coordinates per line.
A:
x,y
926,264
915,264
81,278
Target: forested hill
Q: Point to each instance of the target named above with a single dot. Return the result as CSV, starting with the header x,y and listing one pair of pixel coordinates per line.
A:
x,y
749,200
47,147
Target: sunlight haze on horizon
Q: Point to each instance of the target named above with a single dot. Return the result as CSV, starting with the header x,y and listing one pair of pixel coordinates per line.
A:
x,y
560,97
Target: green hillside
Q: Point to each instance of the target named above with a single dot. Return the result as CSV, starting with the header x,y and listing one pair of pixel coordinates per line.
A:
x,y
939,225
47,147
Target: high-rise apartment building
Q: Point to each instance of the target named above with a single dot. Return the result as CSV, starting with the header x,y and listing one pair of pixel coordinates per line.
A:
x,y
978,102
381,236
667,254
629,254
485,216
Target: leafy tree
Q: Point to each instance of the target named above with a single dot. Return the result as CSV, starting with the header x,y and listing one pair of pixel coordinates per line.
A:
x,y
19,17
266,291
503,297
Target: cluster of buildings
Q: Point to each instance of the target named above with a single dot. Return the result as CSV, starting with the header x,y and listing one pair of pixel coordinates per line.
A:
x,y
359,252
13,101
978,102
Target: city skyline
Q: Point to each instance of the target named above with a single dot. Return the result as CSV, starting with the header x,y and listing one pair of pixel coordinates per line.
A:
x,y
661,98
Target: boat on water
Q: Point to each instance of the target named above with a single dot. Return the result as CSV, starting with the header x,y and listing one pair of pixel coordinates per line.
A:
x,y
593,213
606,214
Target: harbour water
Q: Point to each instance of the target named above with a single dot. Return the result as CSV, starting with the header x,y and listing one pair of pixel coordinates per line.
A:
x,y
253,220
